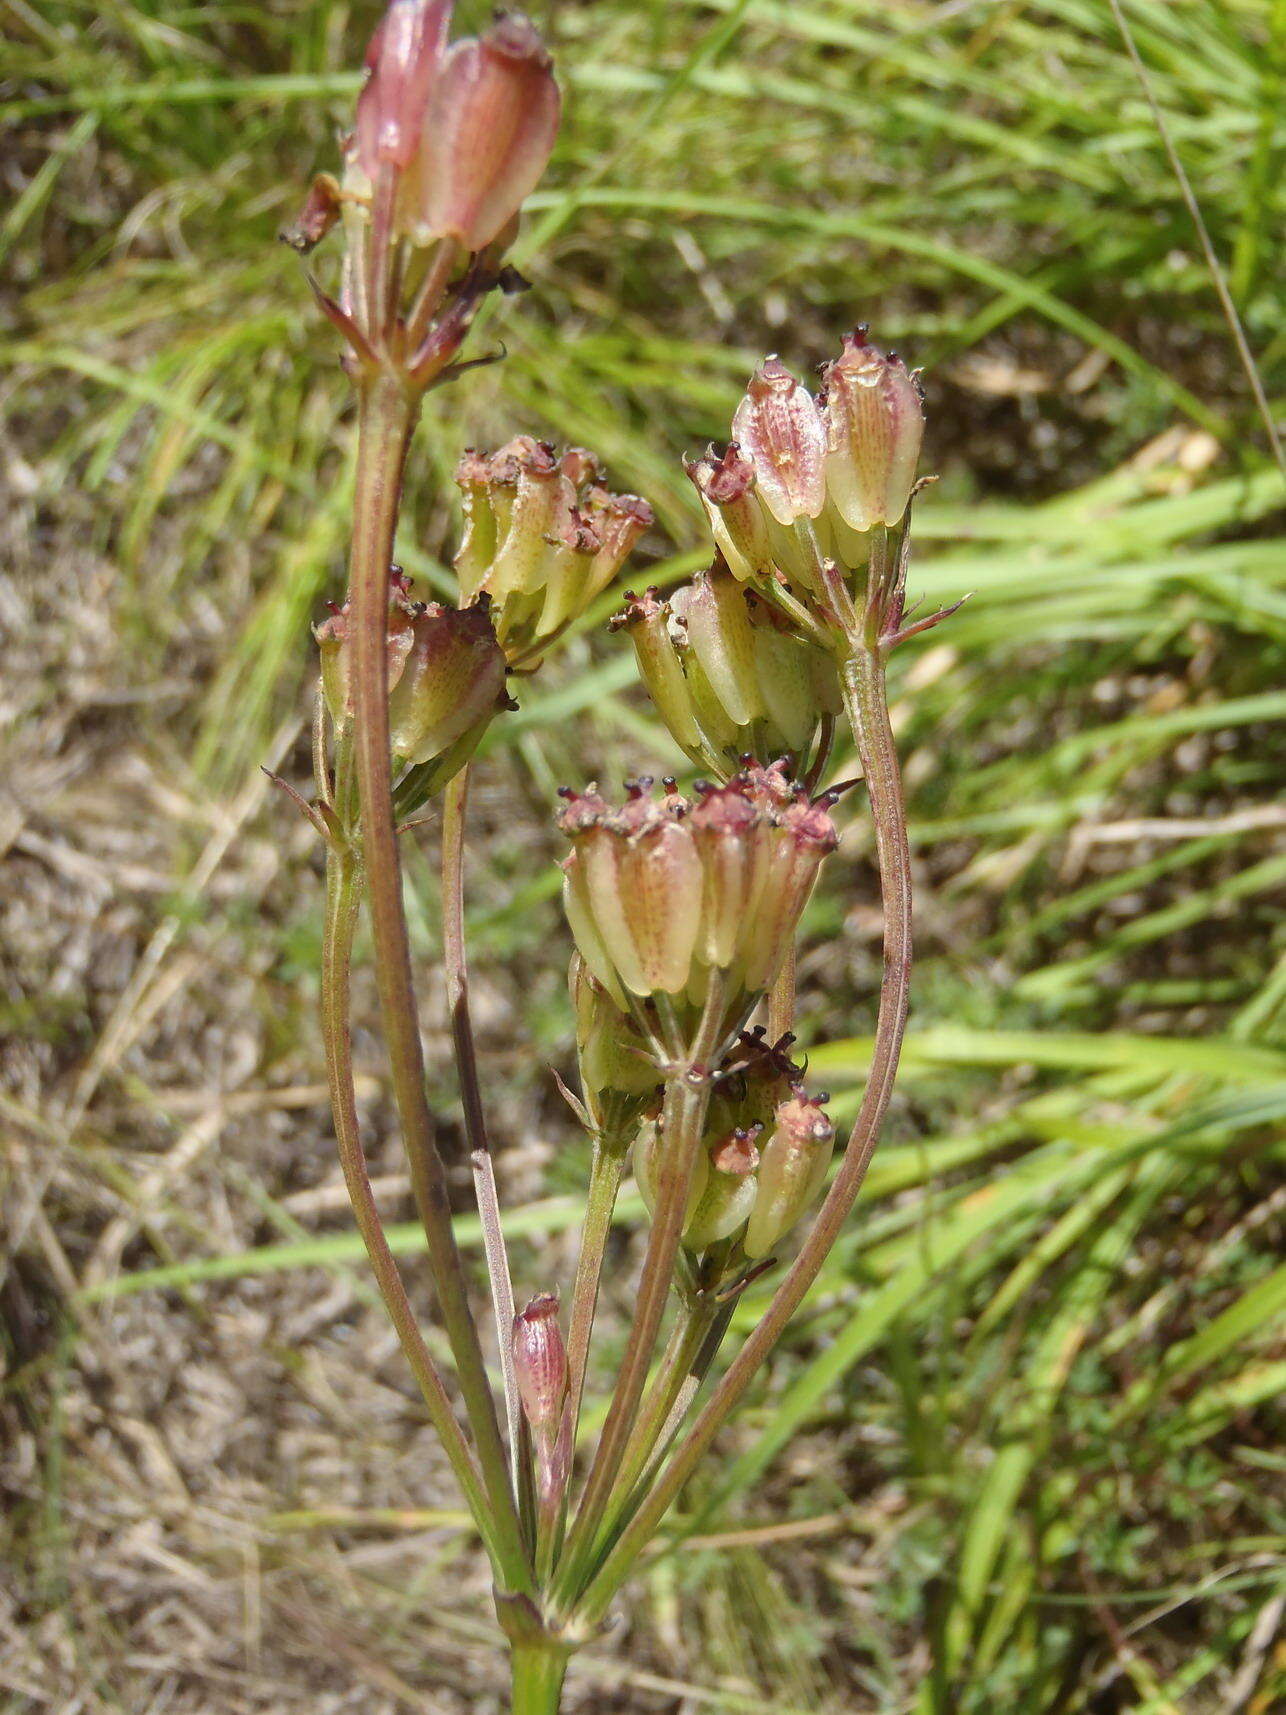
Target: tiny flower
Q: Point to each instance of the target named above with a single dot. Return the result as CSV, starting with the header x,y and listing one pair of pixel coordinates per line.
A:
x,y
778,429
542,538
488,134
451,683
540,1365
792,1170
335,647
650,1145
874,424
728,1194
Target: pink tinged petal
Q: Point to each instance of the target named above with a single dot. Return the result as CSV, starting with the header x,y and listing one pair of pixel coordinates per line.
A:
x,y
778,428
540,1363
489,134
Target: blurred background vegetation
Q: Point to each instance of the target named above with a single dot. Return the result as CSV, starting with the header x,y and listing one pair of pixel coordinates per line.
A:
x,y
1024,1451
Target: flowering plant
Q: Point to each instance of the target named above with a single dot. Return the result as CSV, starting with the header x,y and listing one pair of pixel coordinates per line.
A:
x,y
684,907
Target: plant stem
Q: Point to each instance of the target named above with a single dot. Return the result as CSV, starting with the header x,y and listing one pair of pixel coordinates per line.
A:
x,y
538,1672
605,1175
687,1095
865,699
343,901
676,1367
456,972
387,412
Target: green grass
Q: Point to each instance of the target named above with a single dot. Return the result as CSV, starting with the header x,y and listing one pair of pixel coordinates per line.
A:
x,y
1041,1378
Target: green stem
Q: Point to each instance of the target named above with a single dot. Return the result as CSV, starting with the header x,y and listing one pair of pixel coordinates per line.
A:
x,y
538,1673
865,699
685,1342
456,971
687,1095
387,413
343,901
605,1175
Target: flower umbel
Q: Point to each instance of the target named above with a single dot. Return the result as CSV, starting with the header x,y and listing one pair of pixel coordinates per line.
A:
x,y
662,892
809,503
448,141
543,537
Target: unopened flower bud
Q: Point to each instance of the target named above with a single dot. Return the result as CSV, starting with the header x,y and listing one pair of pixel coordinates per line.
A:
x,y
455,137
778,428
488,134
540,1365
542,539
874,424
792,1170
402,62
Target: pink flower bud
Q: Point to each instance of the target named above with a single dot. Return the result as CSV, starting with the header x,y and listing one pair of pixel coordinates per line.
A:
x,y
792,1171
777,427
402,62
488,134
874,424
540,1365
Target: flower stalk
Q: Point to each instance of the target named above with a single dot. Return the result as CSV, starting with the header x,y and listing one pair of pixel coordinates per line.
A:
x,y
387,410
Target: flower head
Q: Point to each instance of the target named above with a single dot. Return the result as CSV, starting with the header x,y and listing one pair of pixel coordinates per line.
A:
x,y
542,538
661,892
799,494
